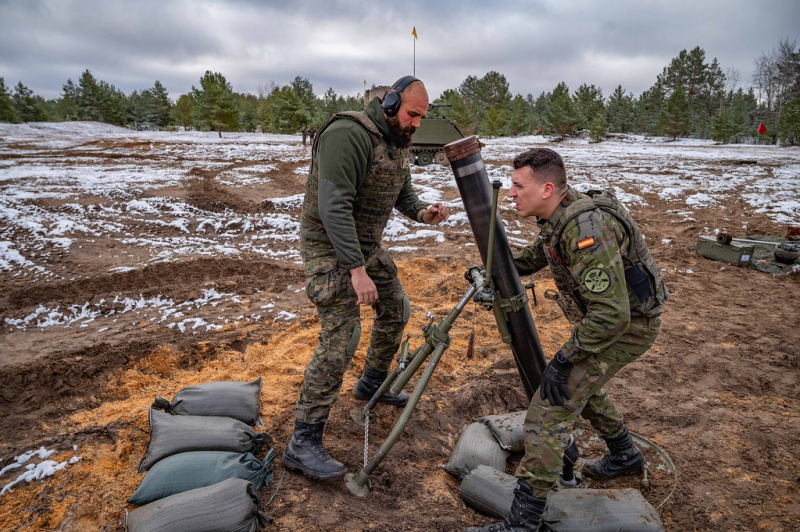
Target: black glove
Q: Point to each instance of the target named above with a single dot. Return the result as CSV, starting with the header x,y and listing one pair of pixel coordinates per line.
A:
x,y
554,380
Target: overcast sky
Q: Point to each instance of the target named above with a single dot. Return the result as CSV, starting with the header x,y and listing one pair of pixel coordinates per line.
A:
x,y
340,43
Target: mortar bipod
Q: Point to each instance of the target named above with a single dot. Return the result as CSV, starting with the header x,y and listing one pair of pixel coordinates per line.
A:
x,y
437,340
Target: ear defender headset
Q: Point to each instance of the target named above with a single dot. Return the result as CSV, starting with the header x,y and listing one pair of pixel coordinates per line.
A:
x,y
391,102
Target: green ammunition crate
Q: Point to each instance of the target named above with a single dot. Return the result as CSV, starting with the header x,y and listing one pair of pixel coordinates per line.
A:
x,y
734,253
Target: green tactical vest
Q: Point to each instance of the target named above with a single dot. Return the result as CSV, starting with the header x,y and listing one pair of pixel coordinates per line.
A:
x,y
637,260
375,199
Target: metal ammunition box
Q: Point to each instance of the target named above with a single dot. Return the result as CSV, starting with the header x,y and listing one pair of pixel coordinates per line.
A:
x,y
734,253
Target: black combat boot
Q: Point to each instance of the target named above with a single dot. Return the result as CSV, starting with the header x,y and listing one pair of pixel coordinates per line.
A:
x,y
305,453
622,457
369,383
526,512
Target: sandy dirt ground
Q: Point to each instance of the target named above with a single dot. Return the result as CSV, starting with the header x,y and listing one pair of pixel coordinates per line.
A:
x,y
718,392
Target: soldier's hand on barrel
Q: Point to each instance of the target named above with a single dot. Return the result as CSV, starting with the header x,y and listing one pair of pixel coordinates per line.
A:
x,y
554,380
364,287
436,213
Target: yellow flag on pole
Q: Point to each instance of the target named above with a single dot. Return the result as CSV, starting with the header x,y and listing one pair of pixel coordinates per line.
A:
x,y
414,32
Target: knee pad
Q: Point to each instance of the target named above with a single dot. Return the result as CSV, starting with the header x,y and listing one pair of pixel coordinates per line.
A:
x,y
406,313
355,338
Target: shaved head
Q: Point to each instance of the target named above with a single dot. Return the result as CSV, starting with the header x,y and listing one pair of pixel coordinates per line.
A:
x,y
416,88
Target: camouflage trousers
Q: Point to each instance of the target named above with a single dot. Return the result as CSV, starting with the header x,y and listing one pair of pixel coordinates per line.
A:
x,y
330,288
548,427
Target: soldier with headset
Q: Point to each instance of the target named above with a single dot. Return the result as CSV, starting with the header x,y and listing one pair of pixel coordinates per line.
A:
x,y
611,290
359,174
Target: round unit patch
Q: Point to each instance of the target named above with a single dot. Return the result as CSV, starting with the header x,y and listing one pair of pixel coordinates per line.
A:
x,y
596,280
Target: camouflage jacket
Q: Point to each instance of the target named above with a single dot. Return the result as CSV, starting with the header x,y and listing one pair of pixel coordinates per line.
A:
x,y
601,266
355,181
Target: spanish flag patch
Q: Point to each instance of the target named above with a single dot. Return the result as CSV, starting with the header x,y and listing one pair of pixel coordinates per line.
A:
x,y
585,243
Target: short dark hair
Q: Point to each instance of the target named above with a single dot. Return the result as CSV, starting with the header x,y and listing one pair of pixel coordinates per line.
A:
x,y
543,162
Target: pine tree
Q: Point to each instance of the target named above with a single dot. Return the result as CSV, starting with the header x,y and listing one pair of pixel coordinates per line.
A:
x,y
493,91
140,106
460,111
66,106
113,104
305,92
493,122
620,113
88,98
161,104
598,126
744,108
469,90
562,116
588,102
27,108
674,120
649,107
480,94
539,117
215,105
248,112
182,112
7,111
287,112
330,103
709,99
519,116
789,126
722,129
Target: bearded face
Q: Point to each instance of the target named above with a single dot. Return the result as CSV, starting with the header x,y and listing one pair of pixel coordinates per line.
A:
x,y
399,136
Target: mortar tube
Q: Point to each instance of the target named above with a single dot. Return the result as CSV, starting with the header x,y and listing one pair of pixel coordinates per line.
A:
x,y
492,228
476,192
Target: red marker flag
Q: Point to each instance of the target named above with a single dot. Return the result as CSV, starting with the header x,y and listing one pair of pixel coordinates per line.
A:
x,y
761,128
539,129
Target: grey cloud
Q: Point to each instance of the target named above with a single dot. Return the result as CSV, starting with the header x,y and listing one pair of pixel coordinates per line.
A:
x,y
339,43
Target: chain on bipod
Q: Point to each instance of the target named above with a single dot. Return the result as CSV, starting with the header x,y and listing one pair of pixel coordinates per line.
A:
x,y
366,439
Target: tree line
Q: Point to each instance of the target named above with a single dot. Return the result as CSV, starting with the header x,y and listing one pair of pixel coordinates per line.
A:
x,y
691,97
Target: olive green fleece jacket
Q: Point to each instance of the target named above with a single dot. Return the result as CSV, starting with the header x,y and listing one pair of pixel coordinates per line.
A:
x,y
344,156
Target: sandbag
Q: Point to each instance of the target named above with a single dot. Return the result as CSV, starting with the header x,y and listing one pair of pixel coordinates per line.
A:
x,y
508,429
587,510
238,400
179,434
489,491
230,505
187,471
476,446
570,510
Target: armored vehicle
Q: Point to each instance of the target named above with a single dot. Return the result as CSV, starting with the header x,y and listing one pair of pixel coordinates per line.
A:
x,y
434,132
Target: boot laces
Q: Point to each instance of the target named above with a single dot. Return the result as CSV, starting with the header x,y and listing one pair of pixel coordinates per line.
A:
x,y
321,451
319,448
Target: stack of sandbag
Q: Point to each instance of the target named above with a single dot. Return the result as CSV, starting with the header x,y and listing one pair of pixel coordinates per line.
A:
x,y
201,464
479,460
